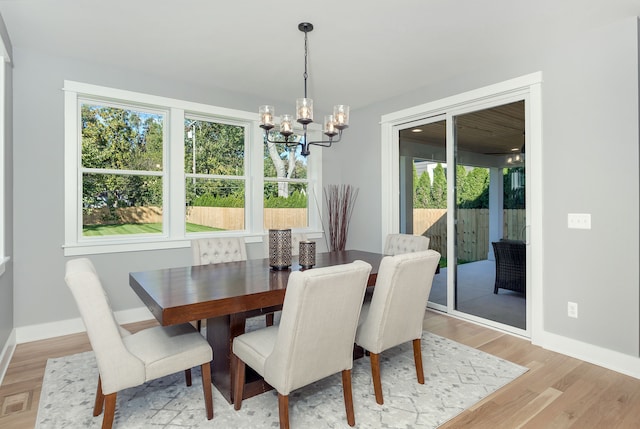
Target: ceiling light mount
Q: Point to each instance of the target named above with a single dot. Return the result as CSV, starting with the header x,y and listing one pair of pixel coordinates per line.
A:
x,y
333,124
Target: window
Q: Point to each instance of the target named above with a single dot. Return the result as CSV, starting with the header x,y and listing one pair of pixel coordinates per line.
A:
x,y
145,172
121,166
214,159
286,196
4,62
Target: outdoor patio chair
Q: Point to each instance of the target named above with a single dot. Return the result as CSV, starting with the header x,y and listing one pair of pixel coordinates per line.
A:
x,y
511,265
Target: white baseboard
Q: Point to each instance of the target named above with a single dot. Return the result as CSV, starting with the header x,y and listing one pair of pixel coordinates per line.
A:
x,y
615,361
42,331
7,353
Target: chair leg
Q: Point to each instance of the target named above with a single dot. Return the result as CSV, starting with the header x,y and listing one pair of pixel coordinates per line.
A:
x,y
269,318
109,410
238,383
283,410
97,408
417,357
187,376
206,388
348,396
375,375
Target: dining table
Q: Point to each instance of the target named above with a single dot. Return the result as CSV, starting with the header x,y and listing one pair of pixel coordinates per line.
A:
x,y
226,294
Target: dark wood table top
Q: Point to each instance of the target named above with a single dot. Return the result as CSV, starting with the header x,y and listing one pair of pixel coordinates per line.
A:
x,y
184,294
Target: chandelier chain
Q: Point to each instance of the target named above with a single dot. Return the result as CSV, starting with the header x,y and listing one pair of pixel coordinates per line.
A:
x,y
306,74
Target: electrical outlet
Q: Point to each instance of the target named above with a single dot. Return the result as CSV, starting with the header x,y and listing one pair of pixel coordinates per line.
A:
x,y
572,310
579,220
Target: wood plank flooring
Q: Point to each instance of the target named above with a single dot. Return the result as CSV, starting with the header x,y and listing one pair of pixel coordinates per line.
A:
x,y
557,391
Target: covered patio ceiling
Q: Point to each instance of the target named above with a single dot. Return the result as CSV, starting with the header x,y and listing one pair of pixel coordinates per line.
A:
x,y
485,137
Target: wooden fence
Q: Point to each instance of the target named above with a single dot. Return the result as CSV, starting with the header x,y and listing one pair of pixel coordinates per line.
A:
x,y
472,231
473,224
229,218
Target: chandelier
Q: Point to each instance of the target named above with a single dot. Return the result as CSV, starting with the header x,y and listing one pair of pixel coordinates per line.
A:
x,y
332,126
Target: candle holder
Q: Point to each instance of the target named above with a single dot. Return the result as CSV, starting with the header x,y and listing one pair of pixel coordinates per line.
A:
x,y
280,249
307,253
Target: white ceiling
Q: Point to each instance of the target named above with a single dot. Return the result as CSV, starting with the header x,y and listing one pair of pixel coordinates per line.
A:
x,y
360,51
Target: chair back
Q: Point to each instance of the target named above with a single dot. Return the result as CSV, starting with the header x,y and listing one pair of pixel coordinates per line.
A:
x,y
217,250
397,244
118,368
396,311
318,325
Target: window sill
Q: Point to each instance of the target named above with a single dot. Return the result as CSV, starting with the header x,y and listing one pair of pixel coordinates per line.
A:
x,y
111,247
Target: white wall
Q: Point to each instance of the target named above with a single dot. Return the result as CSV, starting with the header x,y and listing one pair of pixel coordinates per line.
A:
x,y
590,164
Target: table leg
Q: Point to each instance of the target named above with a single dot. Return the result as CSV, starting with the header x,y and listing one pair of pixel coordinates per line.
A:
x,y
220,334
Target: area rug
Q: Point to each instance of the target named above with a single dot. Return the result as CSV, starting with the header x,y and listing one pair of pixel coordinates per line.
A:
x,y
456,377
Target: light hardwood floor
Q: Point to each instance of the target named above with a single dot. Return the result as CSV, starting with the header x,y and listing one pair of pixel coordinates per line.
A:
x,y
556,392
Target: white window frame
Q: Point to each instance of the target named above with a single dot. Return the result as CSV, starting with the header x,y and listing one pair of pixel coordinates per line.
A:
x,y
174,231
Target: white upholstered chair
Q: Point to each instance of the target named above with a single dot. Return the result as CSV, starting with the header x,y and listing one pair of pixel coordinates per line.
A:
x,y
314,338
128,360
396,311
218,249
396,244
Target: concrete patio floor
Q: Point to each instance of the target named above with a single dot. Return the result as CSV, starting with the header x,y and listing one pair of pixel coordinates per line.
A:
x,y
476,297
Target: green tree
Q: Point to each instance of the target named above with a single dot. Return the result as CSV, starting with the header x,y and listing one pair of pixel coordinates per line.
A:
x,y
120,139
422,192
439,188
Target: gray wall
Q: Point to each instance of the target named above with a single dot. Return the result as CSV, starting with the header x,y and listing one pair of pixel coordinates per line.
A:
x,y
6,280
590,164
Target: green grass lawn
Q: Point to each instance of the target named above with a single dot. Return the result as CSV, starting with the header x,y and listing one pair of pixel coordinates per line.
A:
x,y
137,228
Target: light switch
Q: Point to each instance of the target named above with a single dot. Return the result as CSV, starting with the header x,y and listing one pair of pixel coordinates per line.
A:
x,y
579,220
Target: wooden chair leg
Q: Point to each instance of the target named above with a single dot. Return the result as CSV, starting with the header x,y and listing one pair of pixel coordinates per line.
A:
x,y
417,357
109,410
97,408
348,397
238,387
269,318
187,376
206,389
283,410
375,375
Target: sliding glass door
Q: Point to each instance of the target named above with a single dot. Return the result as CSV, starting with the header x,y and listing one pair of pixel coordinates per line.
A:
x,y
462,184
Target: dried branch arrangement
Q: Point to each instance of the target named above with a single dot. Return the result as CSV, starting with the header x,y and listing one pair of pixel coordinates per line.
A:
x,y
340,200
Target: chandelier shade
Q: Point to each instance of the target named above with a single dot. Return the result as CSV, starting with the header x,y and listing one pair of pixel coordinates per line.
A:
x,y
332,127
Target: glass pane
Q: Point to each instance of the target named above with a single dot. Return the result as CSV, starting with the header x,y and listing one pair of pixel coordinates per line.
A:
x,y
285,205
121,205
215,205
213,148
490,209
423,208
285,162
121,139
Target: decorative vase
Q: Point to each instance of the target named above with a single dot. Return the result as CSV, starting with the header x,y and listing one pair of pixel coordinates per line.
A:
x,y
280,249
307,253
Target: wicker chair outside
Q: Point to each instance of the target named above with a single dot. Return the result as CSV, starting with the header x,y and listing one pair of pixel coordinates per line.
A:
x,y
511,265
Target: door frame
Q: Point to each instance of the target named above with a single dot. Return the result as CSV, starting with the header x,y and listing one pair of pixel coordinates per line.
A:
x,y
526,87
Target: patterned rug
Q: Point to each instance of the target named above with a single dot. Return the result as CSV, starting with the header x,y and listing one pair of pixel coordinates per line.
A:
x,y
456,377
